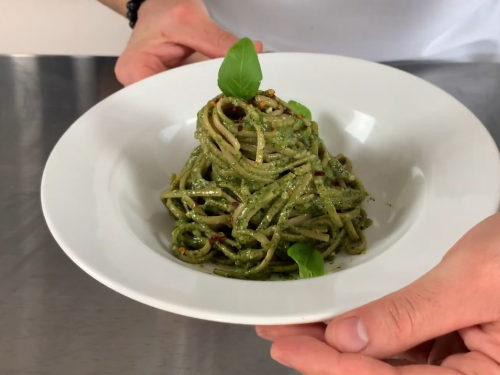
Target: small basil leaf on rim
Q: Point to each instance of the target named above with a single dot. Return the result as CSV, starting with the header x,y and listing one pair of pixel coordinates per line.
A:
x,y
310,261
240,74
302,109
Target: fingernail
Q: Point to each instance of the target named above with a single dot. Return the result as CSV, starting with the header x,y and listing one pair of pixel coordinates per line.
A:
x,y
350,335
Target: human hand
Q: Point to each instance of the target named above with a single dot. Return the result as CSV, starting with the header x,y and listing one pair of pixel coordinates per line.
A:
x,y
445,323
170,33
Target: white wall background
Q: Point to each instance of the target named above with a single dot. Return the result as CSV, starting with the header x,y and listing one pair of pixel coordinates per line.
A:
x,y
61,27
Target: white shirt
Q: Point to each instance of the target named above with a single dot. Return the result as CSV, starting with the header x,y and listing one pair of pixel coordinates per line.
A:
x,y
378,30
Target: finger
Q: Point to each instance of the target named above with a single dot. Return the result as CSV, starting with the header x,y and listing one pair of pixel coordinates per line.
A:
x,y
446,346
403,319
132,67
210,40
471,363
273,333
194,58
313,357
484,339
458,293
398,362
135,65
194,29
435,351
418,354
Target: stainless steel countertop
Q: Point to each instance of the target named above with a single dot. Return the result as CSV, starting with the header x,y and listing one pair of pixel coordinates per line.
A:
x,y
54,318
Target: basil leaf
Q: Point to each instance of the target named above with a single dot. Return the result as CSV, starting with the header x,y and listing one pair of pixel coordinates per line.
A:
x,y
302,109
309,259
240,74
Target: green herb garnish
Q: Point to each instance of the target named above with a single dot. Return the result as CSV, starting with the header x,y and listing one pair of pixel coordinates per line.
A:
x,y
240,74
309,259
302,109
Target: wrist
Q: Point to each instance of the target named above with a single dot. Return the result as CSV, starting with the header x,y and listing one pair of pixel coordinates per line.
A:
x,y
133,7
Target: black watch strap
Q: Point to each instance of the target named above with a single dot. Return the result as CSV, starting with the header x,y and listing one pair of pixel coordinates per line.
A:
x,y
132,11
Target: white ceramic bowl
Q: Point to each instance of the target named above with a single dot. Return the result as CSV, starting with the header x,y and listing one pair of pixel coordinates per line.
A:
x,y
430,164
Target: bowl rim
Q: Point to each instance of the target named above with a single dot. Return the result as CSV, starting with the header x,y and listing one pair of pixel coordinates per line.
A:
x,y
66,237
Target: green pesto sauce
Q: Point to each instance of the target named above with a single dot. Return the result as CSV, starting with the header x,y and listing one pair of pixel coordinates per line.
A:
x,y
232,207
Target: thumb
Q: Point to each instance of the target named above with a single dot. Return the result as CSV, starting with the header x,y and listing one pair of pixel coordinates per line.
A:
x,y
460,292
207,38
135,65
443,301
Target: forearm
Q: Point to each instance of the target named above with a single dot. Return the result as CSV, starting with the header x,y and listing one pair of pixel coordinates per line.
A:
x,y
119,6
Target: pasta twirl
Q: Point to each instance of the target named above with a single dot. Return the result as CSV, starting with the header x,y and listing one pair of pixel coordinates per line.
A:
x,y
260,181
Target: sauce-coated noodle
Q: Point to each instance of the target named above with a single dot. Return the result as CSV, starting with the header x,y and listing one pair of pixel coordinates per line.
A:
x,y
260,181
